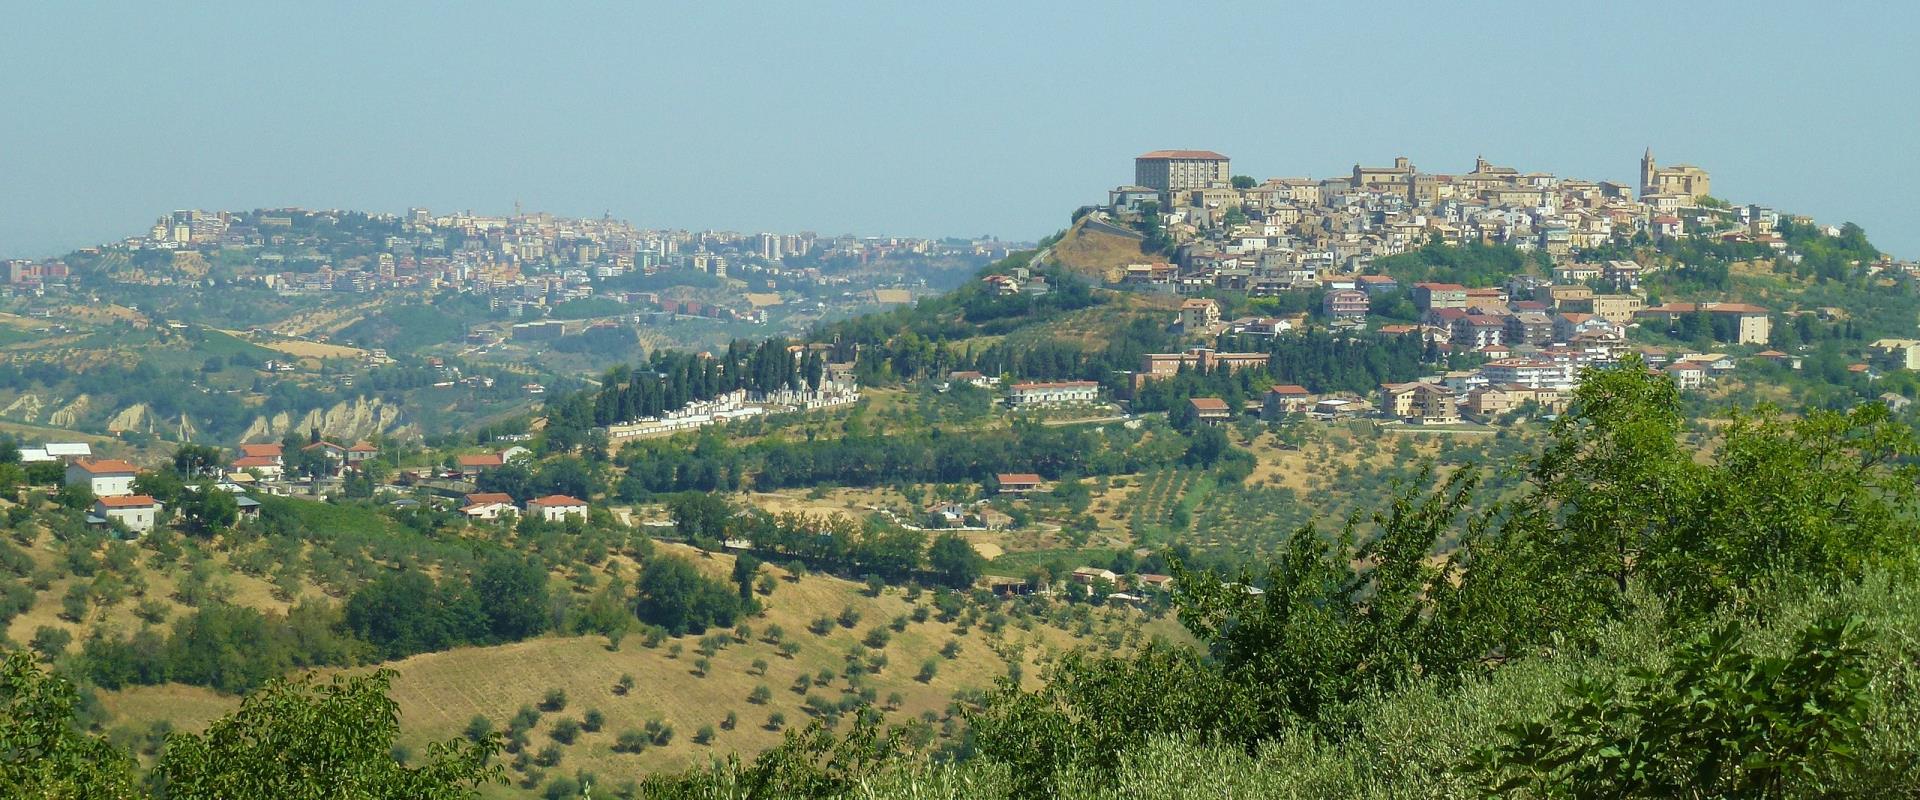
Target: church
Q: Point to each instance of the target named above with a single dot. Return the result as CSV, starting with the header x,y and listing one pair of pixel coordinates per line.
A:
x,y
1685,180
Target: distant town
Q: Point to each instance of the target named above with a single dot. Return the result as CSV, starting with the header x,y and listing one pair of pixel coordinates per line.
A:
x,y
524,263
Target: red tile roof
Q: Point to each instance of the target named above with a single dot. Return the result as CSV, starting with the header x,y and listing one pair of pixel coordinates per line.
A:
x,y
105,466
247,462
1288,389
478,498
482,460
262,450
130,501
556,500
1020,478
1208,404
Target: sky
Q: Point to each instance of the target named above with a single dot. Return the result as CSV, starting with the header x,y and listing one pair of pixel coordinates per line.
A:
x,y
919,119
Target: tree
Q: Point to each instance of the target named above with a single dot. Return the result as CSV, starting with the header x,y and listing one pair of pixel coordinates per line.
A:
x,y
207,508
513,593
955,561
193,461
745,567
672,594
50,642
1721,721
45,753
301,739
1244,182
699,516
75,496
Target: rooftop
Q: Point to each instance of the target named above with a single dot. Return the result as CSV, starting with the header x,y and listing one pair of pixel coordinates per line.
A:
x,y
1206,155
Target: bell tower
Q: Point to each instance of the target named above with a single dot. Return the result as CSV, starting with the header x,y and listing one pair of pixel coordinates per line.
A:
x,y
1647,168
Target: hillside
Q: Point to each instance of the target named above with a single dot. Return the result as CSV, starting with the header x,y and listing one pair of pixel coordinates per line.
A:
x,y
1098,250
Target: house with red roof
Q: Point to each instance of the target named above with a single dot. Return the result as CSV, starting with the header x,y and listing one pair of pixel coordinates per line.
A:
x,y
557,507
137,512
473,464
268,467
361,451
1210,410
1283,399
1017,482
106,477
488,505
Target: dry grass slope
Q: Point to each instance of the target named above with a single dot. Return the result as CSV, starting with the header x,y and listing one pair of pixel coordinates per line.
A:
x,y
1096,253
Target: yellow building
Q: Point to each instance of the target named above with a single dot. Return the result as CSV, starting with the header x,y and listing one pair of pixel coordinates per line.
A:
x,y
1684,180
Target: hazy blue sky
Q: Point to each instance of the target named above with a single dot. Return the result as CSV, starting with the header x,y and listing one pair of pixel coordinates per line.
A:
x,y
919,118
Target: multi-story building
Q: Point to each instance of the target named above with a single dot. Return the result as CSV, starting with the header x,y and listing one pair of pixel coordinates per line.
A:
x,y
1529,327
1173,173
1427,403
1199,314
1166,365
1284,399
137,512
1023,395
1527,372
1739,323
1474,331
106,477
1428,296
1348,304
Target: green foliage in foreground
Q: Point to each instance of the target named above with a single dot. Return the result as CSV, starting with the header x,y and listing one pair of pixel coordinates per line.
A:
x,y
296,740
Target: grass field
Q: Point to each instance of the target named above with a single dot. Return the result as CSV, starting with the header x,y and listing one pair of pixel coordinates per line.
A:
x,y
439,693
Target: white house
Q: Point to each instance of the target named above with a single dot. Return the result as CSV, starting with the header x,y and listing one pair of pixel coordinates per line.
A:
x,y
557,507
137,512
107,477
488,505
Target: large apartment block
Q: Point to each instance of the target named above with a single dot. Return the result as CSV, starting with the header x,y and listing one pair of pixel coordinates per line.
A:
x,y
1175,172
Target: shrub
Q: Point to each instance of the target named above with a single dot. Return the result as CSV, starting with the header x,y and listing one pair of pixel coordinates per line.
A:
x,y
478,728
630,741
554,700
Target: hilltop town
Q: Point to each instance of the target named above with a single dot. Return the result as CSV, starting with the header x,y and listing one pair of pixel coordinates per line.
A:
x,y
1515,280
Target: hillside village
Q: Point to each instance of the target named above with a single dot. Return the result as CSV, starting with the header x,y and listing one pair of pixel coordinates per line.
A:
x,y
1577,296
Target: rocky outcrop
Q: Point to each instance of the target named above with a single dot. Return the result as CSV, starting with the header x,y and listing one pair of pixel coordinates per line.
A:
x,y
70,415
361,418
26,407
135,417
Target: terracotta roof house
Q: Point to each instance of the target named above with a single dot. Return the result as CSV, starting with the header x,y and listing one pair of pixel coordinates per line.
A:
x,y
137,512
487,505
1017,482
106,477
1210,410
1283,399
557,507
471,465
